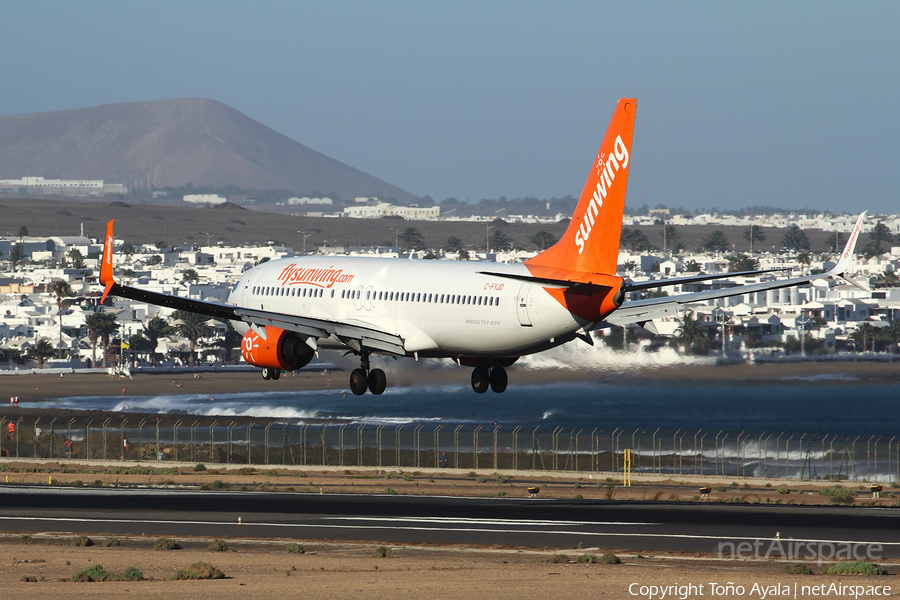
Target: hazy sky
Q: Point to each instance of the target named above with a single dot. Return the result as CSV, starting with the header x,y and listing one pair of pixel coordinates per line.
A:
x,y
792,104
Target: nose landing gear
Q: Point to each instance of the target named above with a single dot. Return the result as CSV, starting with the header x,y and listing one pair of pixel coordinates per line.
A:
x,y
363,378
484,378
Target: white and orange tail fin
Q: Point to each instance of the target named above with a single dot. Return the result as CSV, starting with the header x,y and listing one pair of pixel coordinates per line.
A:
x,y
106,265
591,242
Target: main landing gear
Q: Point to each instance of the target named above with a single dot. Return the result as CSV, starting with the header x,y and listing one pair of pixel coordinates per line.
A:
x,y
363,378
495,378
268,373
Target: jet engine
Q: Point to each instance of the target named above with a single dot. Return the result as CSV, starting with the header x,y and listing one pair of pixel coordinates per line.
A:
x,y
280,349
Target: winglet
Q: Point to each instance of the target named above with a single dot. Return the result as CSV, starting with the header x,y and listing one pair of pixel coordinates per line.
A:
x,y
106,266
843,262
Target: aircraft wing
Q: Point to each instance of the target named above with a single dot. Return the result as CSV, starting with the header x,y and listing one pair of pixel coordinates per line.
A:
x,y
647,309
656,283
349,334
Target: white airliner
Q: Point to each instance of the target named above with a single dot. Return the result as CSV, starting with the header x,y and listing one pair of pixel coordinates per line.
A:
x,y
481,315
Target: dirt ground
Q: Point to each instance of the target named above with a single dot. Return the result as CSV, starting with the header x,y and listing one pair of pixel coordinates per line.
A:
x,y
255,569
442,482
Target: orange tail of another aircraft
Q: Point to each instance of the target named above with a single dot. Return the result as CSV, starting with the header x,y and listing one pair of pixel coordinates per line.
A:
x,y
591,242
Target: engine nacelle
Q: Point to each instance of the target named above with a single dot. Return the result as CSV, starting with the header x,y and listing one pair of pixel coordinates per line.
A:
x,y
280,350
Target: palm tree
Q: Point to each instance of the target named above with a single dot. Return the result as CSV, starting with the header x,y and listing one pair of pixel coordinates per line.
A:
x,y
154,329
101,325
189,276
411,239
63,290
41,351
741,262
795,237
193,327
753,233
692,333
715,241
864,334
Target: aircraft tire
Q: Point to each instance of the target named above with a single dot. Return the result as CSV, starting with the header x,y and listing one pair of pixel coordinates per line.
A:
x,y
359,383
499,380
276,374
377,381
480,380
266,373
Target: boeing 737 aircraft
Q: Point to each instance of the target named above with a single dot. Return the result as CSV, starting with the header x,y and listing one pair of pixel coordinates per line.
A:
x,y
481,315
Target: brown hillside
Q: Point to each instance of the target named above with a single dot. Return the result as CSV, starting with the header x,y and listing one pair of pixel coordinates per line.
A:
x,y
174,142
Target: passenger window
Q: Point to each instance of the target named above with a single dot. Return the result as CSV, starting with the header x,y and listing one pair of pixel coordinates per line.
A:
x,y
367,294
479,300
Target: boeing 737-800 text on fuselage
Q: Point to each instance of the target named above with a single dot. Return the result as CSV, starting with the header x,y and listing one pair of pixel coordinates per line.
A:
x,y
481,315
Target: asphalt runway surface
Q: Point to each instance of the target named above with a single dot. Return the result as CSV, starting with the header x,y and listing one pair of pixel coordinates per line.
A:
x,y
529,522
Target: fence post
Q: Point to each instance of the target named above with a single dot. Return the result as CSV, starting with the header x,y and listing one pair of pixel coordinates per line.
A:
x,y
417,438
286,443
249,427
174,438
456,446
229,441
475,444
578,433
378,439
701,451
437,446
681,453
52,441
35,436
397,441
140,441
322,436
87,439
122,432
515,445
787,456
266,436
303,444
359,444
496,429
778,455
105,445
341,441
194,441
890,473
534,445
612,450
213,457
675,450
158,453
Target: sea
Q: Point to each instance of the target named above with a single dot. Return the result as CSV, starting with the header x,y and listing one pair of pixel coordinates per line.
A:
x,y
839,403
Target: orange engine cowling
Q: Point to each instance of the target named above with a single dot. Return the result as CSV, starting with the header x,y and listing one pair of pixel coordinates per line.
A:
x,y
280,350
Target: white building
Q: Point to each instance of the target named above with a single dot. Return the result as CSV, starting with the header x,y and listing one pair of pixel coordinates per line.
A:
x,y
205,199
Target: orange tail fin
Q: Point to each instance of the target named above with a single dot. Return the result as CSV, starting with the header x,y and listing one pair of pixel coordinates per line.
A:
x,y
591,242
106,266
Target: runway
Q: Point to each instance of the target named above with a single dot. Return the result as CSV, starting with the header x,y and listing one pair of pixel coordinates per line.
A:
x,y
527,522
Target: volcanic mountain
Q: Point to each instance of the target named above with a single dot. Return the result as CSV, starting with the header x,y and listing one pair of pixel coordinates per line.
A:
x,y
174,142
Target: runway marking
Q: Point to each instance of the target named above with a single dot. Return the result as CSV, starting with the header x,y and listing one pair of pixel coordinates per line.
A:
x,y
449,529
489,521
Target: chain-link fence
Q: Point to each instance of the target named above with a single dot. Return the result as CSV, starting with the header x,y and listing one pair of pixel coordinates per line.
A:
x,y
771,455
